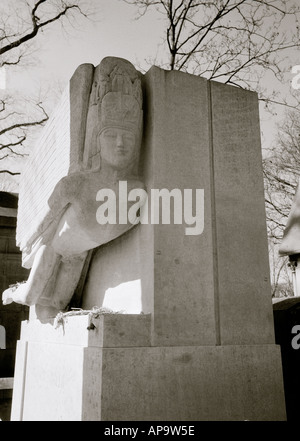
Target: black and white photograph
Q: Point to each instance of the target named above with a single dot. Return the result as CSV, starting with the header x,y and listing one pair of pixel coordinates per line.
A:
x,y
149,213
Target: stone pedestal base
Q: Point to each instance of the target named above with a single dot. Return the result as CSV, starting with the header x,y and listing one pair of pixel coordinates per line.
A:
x,y
110,372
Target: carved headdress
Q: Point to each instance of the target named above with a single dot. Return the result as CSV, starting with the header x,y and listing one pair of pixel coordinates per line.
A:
x,y
115,101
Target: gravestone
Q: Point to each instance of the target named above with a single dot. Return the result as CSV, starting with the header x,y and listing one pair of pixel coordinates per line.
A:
x,y
187,330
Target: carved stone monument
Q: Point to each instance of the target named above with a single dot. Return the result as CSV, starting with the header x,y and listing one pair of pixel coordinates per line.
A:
x,y
176,320
110,153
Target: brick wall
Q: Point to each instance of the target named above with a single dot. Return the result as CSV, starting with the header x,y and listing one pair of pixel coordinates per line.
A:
x,y
48,163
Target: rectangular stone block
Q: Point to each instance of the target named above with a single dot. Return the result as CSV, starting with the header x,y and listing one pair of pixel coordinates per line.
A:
x,y
178,269
65,380
53,383
106,330
211,288
243,276
19,381
203,383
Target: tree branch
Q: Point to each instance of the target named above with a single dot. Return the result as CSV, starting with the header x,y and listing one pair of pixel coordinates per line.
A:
x,y
10,172
37,25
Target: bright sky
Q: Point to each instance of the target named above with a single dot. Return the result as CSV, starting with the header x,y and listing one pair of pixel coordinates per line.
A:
x,y
113,31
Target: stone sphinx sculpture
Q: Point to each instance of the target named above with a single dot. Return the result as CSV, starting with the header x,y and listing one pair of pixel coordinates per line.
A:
x,y
111,154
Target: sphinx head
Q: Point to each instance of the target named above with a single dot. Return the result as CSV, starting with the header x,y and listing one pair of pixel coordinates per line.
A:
x,y
118,101
118,148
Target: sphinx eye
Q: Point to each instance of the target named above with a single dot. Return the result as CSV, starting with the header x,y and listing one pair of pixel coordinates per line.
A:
x,y
110,134
128,137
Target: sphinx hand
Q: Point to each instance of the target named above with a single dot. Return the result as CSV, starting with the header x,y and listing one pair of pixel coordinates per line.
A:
x,y
7,296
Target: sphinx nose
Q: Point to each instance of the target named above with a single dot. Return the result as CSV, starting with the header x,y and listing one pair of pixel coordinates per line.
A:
x,y
120,141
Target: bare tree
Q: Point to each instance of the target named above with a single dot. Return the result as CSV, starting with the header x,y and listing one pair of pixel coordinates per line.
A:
x,y
280,273
28,21
282,174
20,23
245,43
14,127
233,41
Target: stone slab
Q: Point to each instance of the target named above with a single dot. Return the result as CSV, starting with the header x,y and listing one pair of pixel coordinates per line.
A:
x,y
208,383
19,380
243,275
53,382
177,269
200,383
62,377
108,330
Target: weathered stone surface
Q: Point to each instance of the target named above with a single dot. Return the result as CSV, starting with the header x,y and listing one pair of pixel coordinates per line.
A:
x,y
114,279
198,134
108,330
202,383
242,267
174,269
65,380
19,381
178,268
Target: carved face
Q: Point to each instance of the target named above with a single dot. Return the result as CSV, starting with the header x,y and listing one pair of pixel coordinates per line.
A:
x,y
118,147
